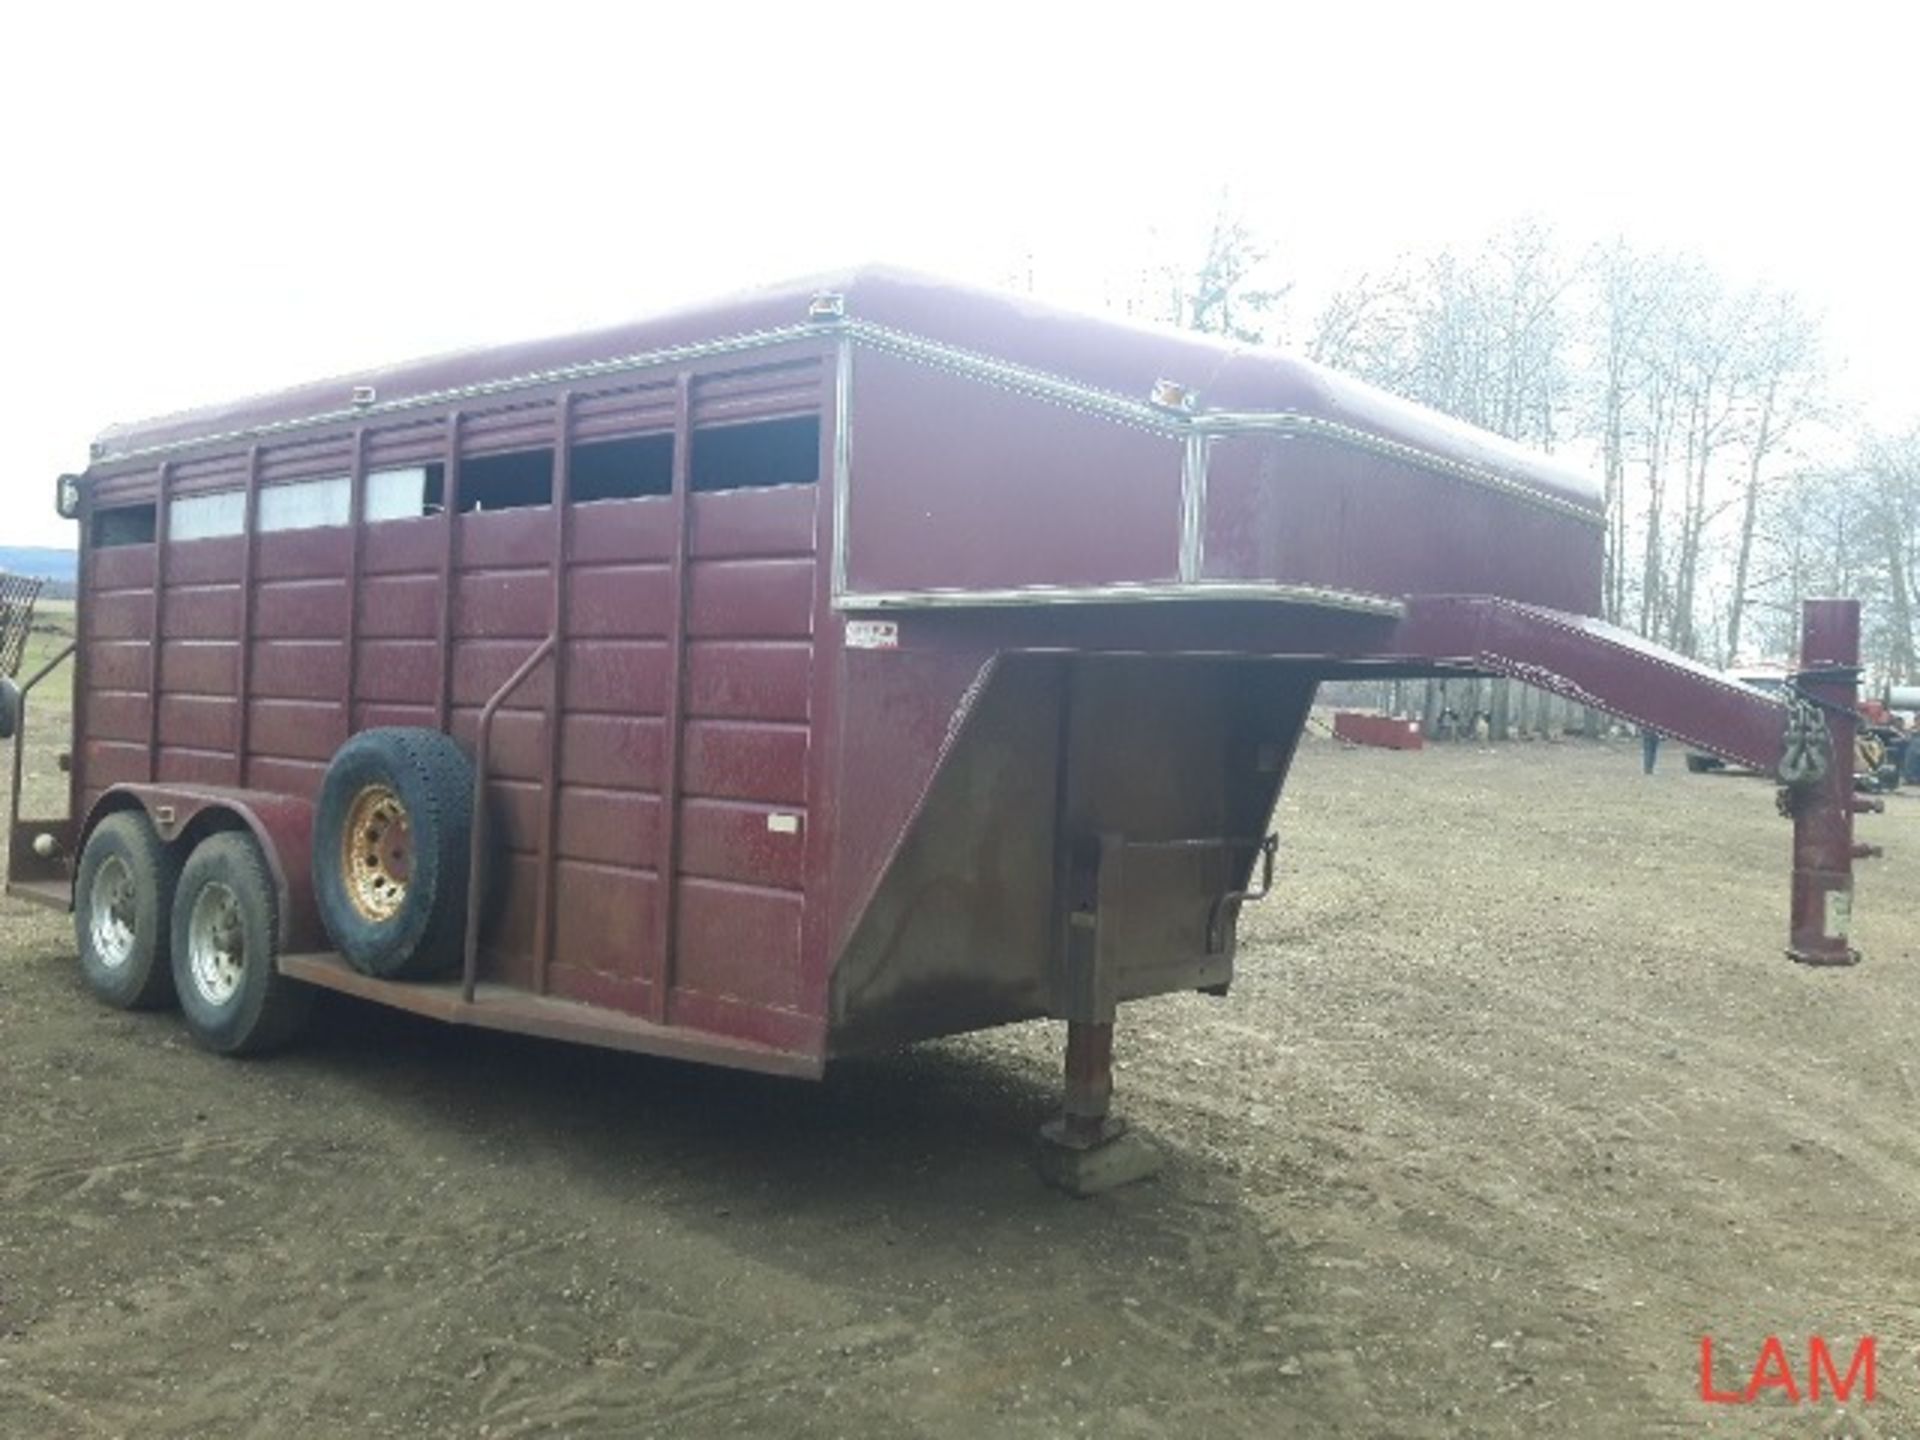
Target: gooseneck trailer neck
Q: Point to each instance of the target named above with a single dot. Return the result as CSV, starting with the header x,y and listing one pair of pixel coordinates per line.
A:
x,y
840,664
1805,740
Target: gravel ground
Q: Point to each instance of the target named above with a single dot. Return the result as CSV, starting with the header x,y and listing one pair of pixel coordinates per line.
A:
x,y
1514,1100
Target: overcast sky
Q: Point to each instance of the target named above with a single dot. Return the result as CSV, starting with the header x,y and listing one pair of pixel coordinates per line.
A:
x,y
207,201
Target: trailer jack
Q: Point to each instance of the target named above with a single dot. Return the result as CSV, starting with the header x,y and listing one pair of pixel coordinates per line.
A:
x,y
1087,1150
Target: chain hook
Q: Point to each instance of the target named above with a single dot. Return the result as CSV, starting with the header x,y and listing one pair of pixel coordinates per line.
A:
x,y
1809,746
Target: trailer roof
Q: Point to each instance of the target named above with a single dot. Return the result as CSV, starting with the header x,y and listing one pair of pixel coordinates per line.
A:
x,y
1100,354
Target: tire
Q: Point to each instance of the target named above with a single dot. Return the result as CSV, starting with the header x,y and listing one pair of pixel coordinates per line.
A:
x,y
1702,764
397,911
226,945
122,899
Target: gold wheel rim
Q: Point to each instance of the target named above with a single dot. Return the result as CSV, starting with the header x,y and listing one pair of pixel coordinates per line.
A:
x,y
376,853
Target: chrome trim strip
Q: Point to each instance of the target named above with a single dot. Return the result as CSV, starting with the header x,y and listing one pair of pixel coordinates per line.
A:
x,y
1206,496
1276,593
1040,384
842,459
1193,506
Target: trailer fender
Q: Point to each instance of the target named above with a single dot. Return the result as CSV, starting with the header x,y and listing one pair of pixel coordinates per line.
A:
x,y
183,815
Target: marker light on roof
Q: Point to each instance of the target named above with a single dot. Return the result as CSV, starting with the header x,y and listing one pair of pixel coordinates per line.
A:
x,y
1172,395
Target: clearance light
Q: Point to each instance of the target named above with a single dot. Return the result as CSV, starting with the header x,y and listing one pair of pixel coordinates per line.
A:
x,y
1172,395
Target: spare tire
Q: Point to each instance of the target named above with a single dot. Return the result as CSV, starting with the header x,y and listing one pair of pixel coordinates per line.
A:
x,y
390,852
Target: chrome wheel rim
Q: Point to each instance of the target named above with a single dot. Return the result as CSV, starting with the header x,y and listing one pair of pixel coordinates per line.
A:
x,y
113,912
216,947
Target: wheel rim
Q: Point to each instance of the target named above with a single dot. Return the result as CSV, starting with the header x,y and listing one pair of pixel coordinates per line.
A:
x,y
377,853
113,912
216,946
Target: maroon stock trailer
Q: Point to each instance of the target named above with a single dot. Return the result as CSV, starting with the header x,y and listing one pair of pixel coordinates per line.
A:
x,y
842,664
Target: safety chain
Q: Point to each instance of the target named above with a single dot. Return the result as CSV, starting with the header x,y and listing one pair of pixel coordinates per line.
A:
x,y
1847,673
1809,747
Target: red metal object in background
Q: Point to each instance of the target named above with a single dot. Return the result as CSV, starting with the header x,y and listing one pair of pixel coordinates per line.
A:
x,y
1823,809
1384,732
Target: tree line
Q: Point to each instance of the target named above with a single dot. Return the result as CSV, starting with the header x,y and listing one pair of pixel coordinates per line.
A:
x,y
1736,479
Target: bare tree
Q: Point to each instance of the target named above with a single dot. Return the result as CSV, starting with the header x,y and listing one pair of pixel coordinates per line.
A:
x,y
1620,314
1784,379
1816,538
1224,293
1892,493
1701,405
1362,328
1706,337
1480,334
1660,411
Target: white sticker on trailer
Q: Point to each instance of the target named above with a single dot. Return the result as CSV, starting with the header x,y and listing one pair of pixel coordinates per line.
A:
x,y
1839,913
873,635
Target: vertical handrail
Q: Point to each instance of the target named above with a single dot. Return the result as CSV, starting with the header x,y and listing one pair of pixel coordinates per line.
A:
x,y
20,733
476,850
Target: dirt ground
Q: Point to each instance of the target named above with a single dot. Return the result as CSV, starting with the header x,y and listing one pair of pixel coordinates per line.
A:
x,y
1513,1101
